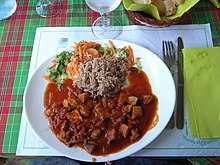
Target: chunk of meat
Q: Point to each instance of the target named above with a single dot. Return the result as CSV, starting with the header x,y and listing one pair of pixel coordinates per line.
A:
x,y
49,112
117,117
69,135
98,106
55,123
83,97
111,135
101,111
96,133
136,112
122,98
147,99
81,132
73,140
134,134
74,116
84,110
56,107
110,104
127,108
134,122
63,112
64,126
89,147
89,104
100,124
132,100
123,130
72,102
62,136
65,103
104,102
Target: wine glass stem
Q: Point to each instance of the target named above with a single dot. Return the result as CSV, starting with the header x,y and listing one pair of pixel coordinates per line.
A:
x,y
105,20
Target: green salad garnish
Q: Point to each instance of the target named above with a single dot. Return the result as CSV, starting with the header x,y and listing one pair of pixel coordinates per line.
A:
x,y
85,51
57,72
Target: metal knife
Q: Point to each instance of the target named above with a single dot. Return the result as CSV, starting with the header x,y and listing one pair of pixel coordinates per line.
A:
x,y
180,95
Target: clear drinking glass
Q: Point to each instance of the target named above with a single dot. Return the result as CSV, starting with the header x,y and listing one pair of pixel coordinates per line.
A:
x,y
7,8
105,27
48,8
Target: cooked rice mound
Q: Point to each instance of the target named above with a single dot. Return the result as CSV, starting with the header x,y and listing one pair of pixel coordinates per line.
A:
x,y
102,77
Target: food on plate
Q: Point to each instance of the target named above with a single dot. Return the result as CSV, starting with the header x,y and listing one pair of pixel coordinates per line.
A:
x,y
103,77
98,98
165,7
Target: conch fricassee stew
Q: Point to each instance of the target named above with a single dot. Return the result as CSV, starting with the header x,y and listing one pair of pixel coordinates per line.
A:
x,y
88,117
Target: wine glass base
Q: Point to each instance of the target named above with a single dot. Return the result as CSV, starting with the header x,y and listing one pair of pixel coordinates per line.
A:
x,y
46,8
107,32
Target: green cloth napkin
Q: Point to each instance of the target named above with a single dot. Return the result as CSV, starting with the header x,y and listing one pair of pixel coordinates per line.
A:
x,y
152,10
147,8
216,3
202,87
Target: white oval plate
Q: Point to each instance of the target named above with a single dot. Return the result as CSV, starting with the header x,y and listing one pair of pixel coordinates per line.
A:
x,y
162,85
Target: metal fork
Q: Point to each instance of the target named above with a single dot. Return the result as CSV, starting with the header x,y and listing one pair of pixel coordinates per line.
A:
x,y
169,56
168,53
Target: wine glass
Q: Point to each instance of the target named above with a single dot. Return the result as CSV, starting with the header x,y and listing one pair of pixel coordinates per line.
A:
x,y
7,8
48,8
105,27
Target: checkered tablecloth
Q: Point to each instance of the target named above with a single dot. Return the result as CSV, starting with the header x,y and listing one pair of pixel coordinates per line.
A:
x,y
16,43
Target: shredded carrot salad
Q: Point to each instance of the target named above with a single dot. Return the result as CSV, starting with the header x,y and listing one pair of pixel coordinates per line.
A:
x,y
66,64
